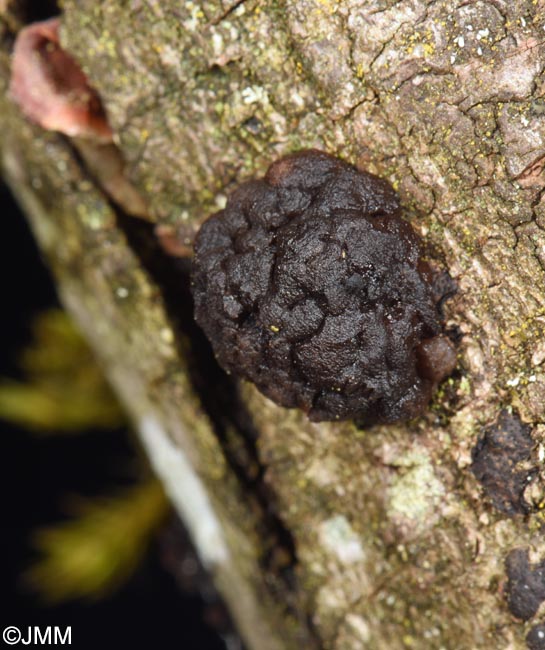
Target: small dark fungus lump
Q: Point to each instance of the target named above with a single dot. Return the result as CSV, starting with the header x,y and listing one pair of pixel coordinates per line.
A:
x,y
525,585
502,463
311,285
535,639
50,87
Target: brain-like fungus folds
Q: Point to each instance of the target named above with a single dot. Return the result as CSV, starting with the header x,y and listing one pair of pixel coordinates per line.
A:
x,y
311,285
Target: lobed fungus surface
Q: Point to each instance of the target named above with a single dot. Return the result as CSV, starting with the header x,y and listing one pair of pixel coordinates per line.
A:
x,y
311,285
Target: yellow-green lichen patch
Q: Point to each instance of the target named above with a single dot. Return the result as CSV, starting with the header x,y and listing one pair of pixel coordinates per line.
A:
x,y
416,492
158,102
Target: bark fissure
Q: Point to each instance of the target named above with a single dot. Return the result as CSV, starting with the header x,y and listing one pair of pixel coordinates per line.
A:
x,y
231,421
220,398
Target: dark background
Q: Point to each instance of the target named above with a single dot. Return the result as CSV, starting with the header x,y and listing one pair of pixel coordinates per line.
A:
x,y
38,472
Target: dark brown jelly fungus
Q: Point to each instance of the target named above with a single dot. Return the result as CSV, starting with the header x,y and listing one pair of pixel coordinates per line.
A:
x,y
51,89
311,285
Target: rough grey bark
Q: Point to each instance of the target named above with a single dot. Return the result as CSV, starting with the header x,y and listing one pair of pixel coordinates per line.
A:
x,y
322,535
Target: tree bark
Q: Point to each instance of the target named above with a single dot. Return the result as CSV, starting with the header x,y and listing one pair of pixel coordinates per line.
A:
x,y
319,535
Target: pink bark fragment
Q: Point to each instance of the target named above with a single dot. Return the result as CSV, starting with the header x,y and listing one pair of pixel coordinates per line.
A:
x,y
51,89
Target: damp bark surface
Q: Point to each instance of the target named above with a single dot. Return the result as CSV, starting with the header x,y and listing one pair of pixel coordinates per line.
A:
x,y
318,535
